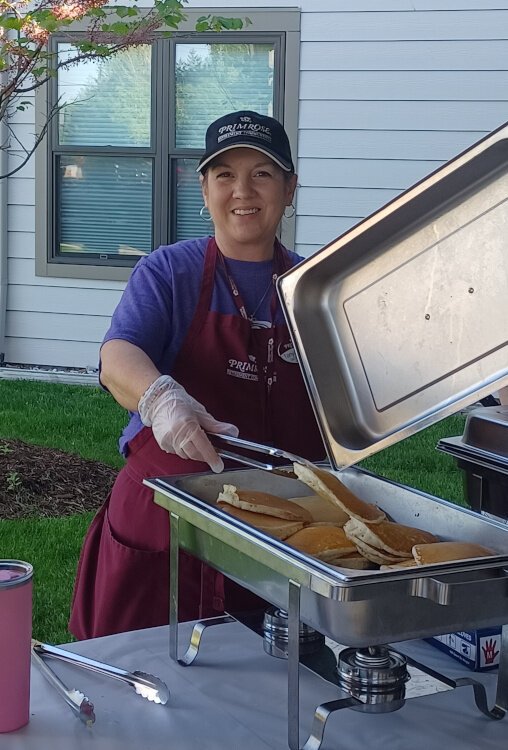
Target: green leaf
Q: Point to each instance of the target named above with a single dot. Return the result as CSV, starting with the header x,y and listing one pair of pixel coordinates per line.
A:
x,y
170,6
86,46
218,23
120,27
123,12
9,22
96,13
230,24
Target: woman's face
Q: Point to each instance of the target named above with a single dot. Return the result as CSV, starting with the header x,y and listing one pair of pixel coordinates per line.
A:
x,y
246,193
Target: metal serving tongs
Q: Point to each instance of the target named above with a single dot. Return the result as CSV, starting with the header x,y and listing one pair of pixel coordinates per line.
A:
x,y
279,464
75,699
146,685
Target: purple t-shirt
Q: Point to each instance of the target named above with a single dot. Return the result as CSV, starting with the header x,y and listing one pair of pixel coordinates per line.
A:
x,y
159,301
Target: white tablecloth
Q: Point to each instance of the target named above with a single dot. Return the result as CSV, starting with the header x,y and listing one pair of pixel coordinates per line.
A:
x,y
234,697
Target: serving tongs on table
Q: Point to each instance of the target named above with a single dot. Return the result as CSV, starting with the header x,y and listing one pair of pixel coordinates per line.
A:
x,y
244,448
75,699
146,685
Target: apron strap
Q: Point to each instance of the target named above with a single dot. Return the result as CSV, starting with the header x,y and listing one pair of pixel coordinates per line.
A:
x,y
205,294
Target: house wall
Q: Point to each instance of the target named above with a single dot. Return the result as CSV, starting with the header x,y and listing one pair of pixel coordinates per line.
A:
x,y
389,90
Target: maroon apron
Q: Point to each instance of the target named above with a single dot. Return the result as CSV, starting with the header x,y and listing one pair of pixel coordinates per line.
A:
x,y
242,375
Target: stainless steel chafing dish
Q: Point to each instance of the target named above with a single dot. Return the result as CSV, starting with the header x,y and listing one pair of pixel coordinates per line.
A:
x,y
353,607
482,452
398,323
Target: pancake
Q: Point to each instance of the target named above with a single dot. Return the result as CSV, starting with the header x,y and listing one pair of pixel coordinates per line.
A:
x,y
329,487
428,554
323,542
400,565
322,510
263,502
355,561
391,538
375,555
278,527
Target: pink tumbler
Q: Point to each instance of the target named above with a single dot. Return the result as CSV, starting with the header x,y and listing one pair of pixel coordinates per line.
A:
x,y
15,643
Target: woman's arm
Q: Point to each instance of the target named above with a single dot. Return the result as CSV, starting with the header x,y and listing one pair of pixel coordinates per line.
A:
x,y
177,420
126,371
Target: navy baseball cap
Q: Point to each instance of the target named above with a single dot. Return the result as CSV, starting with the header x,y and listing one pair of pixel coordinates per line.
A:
x,y
246,129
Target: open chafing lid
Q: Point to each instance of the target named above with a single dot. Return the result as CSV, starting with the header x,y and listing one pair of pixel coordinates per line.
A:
x,y
403,319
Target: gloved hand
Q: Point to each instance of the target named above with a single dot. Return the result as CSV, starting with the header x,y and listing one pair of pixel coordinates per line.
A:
x,y
178,422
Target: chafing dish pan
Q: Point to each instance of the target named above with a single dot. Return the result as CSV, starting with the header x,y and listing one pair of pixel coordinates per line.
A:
x,y
355,608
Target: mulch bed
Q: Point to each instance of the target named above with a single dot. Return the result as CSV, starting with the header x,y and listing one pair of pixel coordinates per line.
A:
x,y
36,481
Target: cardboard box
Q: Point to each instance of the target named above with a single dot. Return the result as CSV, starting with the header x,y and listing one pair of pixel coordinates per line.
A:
x,y
477,649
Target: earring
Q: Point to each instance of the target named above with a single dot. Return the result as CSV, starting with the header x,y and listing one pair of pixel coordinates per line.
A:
x,y
205,217
292,212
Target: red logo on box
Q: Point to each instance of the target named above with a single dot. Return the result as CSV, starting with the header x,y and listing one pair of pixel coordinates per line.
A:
x,y
490,651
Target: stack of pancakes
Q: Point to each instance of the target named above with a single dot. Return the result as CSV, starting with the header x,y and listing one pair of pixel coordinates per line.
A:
x,y
379,540
339,528
386,542
304,523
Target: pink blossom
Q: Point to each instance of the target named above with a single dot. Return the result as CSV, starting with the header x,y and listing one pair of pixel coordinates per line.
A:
x,y
69,10
35,32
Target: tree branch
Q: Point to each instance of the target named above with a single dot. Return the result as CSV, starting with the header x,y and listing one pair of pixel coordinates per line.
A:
x,y
39,138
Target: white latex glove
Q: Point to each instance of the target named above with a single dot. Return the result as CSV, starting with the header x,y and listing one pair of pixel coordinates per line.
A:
x,y
179,422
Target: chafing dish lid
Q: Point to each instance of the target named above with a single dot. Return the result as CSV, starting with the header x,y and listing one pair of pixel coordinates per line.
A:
x,y
487,429
403,319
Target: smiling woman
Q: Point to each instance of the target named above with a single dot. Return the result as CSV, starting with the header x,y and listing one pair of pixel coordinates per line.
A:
x,y
197,345
247,178
246,194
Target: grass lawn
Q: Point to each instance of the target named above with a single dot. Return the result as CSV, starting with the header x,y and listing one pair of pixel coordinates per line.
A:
x,y
86,421
76,419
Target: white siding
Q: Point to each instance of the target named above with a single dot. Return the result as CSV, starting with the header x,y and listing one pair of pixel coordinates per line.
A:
x,y
389,90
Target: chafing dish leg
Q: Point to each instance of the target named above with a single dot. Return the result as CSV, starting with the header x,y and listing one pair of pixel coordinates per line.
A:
x,y
480,695
320,716
196,635
293,665
199,627
325,709
174,546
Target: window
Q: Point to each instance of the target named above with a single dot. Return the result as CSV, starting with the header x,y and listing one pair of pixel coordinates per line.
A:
x,y
120,165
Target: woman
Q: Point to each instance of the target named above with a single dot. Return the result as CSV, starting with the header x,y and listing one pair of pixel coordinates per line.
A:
x,y
198,332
